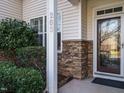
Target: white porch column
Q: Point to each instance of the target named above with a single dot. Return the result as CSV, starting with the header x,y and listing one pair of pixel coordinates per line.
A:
x,y
52,46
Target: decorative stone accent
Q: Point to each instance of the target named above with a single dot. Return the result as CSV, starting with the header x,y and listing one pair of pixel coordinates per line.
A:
x,y
76,59
70,60
90,59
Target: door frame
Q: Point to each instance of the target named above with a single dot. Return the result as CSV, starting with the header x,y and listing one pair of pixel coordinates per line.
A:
x,y
94,24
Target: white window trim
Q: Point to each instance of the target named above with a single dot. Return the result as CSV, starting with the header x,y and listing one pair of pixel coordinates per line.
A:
x,y
108,6
60,51
43,29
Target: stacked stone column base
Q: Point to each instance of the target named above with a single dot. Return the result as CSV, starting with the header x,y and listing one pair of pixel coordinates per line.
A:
x,y
76,59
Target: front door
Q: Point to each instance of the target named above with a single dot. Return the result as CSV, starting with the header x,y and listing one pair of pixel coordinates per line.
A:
x,y
109,45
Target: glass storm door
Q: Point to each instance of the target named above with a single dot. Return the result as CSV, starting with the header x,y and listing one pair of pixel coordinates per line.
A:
x,y
109,45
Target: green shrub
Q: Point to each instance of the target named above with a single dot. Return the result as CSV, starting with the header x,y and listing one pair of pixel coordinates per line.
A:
x,y
15,34
6,71
33,56
20,80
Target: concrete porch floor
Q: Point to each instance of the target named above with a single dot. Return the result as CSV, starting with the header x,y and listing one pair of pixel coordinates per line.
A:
x,y
85,86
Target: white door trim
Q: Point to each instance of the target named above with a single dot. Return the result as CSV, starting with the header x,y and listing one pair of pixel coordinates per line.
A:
x,y
103,74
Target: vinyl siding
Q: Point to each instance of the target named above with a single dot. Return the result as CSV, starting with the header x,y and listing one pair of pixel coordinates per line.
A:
x,y
70,15
90,5
11,9
84,19
33,9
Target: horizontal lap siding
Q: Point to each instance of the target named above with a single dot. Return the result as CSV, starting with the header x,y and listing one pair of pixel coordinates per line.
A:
x,y
33,9
11,9
70,15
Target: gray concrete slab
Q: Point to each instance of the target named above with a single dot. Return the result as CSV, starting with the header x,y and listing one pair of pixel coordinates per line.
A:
x,y
85,86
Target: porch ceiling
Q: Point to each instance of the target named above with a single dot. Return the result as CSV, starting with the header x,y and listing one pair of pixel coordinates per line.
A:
x,y
74,2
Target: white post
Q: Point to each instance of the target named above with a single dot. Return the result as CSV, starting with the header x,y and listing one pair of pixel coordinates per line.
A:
x,y
52,46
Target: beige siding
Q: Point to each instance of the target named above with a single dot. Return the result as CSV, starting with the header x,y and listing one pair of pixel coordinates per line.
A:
x,y
70,15
33,9
90,5
84,19
11,9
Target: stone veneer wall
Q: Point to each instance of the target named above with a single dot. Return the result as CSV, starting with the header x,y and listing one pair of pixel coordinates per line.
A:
x,y
90,59
76,59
